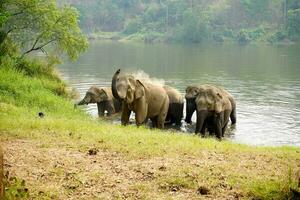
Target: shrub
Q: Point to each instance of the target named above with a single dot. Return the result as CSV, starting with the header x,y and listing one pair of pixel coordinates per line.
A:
x,y
243,37
133,26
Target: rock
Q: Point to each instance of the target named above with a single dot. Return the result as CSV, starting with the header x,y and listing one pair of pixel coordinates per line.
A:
x,y
203,190
162,168
41,114
93,151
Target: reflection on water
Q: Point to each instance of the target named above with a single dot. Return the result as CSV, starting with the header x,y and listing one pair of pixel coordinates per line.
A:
x,y
265,80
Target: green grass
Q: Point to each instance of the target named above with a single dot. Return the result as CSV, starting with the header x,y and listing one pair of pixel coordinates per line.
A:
x,y
252,172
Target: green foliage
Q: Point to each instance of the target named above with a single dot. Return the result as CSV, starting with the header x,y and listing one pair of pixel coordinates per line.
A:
x,y
15,188
191,21
243,37
256,9
294,23
133,26
293,4
38,25
277,36
43,91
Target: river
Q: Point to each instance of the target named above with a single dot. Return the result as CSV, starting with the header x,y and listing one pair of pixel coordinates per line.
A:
x,y
264,79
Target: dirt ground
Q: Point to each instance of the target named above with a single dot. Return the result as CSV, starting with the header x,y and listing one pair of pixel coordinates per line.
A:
x,y
57,171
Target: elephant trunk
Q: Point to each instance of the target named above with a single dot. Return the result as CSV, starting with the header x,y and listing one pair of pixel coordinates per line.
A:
x,y
86,100
82,102
114,84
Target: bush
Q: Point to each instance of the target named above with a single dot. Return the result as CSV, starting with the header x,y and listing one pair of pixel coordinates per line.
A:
x,y
277,36
243,37
133,26
217,37
256,34
152,37
294,23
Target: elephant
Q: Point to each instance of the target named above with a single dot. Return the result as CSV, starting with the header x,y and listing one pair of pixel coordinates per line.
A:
x,y
176,102
146,100
104,99
214,107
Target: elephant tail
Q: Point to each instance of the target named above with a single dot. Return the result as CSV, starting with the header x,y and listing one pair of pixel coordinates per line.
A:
x,y
233,115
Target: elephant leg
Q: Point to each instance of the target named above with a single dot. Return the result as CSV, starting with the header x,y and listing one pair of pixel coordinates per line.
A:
x,y
224,129
161,121
141,112
109,107
179,115
200,125
225,119
100,107
202,131
218,125
125,114
139,118
168,119
162,116
154,121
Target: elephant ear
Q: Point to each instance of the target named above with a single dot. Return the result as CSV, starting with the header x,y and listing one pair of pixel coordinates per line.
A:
x,y
191,92
219,105
94,93
139,90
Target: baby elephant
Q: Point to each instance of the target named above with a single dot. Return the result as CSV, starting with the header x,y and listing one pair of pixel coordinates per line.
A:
x,y
214,107
104,99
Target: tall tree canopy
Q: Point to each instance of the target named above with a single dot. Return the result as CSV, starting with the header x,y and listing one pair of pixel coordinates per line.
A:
x,y
40,25
192,20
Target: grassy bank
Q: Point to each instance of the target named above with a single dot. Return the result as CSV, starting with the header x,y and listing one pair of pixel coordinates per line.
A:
x,y
67,154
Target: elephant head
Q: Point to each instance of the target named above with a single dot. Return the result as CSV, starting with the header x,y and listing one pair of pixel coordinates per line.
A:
x,y
126,87
190,96
94,95
115,78
204,97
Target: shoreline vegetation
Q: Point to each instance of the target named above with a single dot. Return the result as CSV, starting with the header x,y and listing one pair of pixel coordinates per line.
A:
x,y
54,151
67,154
175,21
161,38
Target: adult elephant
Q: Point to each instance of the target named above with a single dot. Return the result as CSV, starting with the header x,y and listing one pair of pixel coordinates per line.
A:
x,y
175,111
214,106
104,99
146,100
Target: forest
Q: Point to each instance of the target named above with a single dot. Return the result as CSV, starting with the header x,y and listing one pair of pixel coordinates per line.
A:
x,y
192,21
51,148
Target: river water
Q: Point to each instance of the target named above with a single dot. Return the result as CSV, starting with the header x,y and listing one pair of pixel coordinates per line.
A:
x,y
264,79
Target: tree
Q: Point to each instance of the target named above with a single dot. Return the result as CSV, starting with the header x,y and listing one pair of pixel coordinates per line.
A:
x,y
294,23
37,25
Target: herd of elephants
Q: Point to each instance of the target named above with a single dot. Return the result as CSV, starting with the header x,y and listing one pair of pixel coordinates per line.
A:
x,y
163,104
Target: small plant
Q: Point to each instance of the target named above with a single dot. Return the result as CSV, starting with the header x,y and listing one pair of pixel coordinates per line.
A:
x,y
15,188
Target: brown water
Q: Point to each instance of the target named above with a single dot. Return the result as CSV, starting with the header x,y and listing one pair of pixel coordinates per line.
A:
x,y
264,79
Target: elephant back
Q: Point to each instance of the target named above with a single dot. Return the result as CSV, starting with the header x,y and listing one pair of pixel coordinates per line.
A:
x,y
173,94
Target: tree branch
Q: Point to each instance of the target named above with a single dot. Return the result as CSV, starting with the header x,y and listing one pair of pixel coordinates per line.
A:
x,y
41,47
